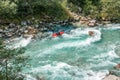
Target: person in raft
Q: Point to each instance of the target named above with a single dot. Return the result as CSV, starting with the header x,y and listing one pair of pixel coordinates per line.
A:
x,y
58,34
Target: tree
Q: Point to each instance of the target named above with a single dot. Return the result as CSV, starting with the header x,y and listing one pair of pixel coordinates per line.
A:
x,y
109,10
7,8
11,62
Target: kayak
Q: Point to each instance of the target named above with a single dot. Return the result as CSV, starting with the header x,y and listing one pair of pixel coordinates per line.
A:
x,y
57,34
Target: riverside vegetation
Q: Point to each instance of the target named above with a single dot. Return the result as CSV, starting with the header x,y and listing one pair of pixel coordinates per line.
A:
x,y
17,10
11,62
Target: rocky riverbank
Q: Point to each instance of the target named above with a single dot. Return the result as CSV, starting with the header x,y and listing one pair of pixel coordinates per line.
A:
x,y
35,27
88,21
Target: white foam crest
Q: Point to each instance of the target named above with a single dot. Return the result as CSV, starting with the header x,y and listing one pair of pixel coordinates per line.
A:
x,y
112,27
61,69
21,42
91,75
29,77
103,63
111,55
77,43
105,59
54,70
55,67
76,33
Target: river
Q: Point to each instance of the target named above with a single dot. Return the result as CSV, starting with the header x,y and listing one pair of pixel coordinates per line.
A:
x,y
75,55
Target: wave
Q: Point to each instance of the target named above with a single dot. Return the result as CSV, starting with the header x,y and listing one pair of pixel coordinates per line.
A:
x,y
64,71
111,55
111,27
20,42
99,75
52,70
79,32
76,43
106,59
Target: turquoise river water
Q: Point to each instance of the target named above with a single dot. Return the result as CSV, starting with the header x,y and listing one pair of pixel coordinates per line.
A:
x,y
74,55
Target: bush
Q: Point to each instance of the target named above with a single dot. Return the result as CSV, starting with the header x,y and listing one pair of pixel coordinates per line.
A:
x,y
7,8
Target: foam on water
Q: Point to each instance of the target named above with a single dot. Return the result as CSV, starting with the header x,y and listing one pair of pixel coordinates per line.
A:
x,y
77,43
95,60
21,42
61,69
104,59
53,70
29,77
96,75
77,33
111,55
111,27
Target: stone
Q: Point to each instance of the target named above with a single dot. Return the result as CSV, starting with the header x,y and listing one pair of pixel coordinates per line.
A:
x,y
91,33
92,23
117,66
0,35
1,30
31,31
11,25
23,23
111,77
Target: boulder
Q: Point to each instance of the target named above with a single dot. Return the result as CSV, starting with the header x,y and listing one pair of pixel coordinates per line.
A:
x,y
91,33
31,31
1,31
111,77
0,35
92,23
23,23
11,25
117,66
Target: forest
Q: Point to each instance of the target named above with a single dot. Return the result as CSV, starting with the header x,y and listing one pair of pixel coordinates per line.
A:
x,y
25,9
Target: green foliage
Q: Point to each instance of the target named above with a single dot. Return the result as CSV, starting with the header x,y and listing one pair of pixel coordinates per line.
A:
x,y
73,8
100,8
7,8
42,8
109,10
80,3
58,8
11,62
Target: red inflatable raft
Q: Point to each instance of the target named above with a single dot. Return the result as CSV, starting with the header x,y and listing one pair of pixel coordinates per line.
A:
x,y
58,34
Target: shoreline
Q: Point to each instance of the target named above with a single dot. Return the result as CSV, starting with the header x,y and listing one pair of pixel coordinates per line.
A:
x,y
37,28
31,28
